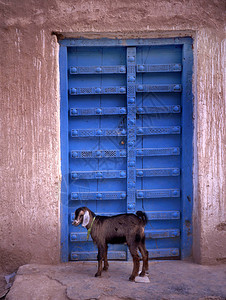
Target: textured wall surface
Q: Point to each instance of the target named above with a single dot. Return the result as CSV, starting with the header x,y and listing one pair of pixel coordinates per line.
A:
x,y
30,151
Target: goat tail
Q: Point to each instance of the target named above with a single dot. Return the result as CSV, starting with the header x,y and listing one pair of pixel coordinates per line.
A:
x,y
142,216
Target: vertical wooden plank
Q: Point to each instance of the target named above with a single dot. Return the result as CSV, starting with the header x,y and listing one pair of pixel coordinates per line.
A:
x,y
64,151
187,150
131,129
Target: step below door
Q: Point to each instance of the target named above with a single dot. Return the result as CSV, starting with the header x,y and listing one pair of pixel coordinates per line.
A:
x,y
126,141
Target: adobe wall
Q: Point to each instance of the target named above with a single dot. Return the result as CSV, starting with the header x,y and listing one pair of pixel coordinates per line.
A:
x,y
30,127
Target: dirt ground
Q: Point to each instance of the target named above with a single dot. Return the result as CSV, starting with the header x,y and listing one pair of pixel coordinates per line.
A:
x,y
168,280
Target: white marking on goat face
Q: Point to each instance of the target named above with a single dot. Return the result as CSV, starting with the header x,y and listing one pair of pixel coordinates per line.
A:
x,y
78,219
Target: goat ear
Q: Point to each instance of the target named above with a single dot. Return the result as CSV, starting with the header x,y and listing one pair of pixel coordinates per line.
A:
x,y
86,219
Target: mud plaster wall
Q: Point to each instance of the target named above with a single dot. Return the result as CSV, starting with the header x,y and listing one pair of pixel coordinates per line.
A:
x,y
30,139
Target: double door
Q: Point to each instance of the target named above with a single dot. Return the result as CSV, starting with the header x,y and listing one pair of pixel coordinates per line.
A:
x,y
126,140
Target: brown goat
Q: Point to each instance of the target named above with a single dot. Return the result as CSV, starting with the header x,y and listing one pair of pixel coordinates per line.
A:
x,y
118,229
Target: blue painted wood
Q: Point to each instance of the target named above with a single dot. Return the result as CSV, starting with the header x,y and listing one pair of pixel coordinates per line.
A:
x,y
99,196
110,153
123,43
158,151
160,193
98,132
75,112
131,127
187,154
137,120
97,90
97,111
159,68
158,130
159,109
92,255
98,70
64,153
164,88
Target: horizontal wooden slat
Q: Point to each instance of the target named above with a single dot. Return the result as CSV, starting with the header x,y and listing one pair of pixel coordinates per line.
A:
x,y
153,130
97,111
158,172
163,253
158,151
160,193
92,255
158,68
162,233
97,69
98,132
97,90
161,88
99,195
101,111
104,174
98,153
159,109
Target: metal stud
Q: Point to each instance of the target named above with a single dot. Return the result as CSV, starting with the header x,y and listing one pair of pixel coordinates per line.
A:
x,y
74,111
122,110
123,195
74,176
140,130
139,152
122,90
98,153
75,196
140,173
122,174
131,58
140,109
122,69
176,108
132,164
131,100
98,111
73,70
140,194
98,69
177,87
140,87
141,68
74,154
73,91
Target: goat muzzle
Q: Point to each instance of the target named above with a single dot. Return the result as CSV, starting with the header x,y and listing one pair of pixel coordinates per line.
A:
x,y
75,223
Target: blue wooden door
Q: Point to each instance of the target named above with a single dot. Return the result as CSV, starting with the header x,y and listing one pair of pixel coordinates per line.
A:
x,y
126,140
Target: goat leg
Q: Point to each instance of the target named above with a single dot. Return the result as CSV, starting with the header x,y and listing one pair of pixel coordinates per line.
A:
x,y
106,265
100,259
136,262
144,254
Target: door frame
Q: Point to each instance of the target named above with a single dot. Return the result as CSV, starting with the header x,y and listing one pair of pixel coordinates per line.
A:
x,y
186,136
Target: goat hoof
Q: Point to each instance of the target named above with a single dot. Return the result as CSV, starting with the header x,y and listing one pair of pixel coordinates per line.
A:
x,y
105,268
97,274
132,278
142,274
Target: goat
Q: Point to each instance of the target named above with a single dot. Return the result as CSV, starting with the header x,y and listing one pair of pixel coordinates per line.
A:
x,y
118,229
